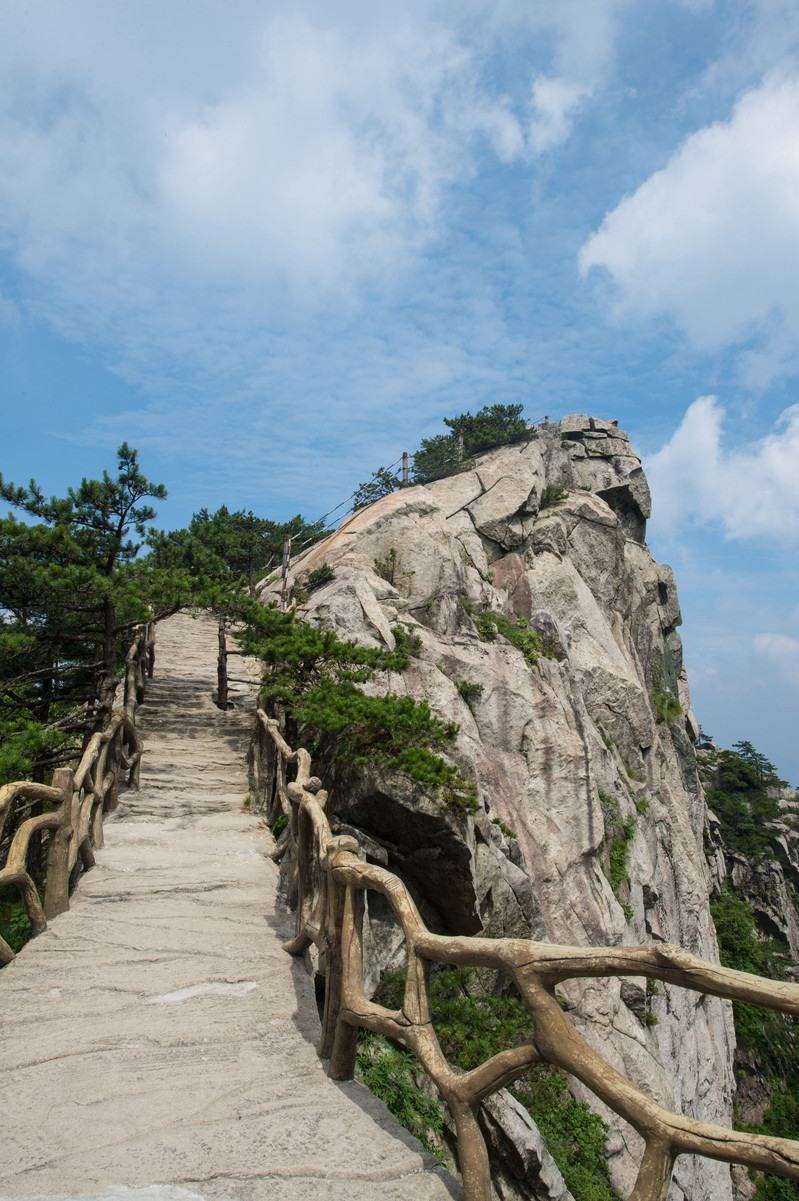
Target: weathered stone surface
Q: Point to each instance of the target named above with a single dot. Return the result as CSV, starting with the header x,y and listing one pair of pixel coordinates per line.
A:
x,y
575,424
543,741
157,1034
610,427
527,1169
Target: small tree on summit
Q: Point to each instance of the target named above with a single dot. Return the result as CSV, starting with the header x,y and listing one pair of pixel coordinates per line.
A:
x,y
381,484
494,425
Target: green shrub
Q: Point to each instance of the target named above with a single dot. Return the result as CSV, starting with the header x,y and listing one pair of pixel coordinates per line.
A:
x,y
473,1024
279,825
771,1038
396,731
519,633
470,692
494,425
551,495
611,810
387,569
618,835
381,484
781,1120
437,458
319,576
667,707
506,830
767,1042
772,1188
15,925
389,1074
315,678
617,869
407,640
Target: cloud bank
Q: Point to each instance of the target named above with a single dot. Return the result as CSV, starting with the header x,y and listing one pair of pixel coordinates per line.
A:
x,y
782,653
712,239
266,151
750,490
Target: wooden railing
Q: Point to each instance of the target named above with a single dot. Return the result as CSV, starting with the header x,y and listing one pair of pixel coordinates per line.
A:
x,y
77,800
327,886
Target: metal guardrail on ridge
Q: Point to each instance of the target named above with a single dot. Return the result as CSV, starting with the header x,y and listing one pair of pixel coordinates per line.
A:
x,y
327,887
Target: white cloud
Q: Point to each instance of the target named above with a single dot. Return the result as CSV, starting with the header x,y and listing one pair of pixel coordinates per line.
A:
x,y
586,37
554,103
297,144
712,240
782,652
10,315
751,490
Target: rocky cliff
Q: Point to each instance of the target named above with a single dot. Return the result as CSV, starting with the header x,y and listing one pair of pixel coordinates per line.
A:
x,y
752,847
586,755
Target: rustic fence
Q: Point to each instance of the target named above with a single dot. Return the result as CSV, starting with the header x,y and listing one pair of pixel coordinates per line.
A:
x,y
76,800
327,887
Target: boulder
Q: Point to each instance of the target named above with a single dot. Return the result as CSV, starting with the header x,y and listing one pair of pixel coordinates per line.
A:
x,y
547,744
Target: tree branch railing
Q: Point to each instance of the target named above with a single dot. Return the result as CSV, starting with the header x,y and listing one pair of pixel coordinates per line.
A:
x,y
327,887
78,799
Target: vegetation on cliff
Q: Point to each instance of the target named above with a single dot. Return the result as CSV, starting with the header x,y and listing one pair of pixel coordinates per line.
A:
x,y
473,1023
316,680
742,789
446,454
743,797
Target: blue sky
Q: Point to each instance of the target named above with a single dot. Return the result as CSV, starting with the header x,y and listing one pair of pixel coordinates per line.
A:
x,y
272,245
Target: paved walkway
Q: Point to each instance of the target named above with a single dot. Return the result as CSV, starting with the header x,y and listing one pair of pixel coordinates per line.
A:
x,y
156,1043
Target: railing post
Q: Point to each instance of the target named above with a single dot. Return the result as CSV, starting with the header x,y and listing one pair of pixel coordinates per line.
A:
x,y
111,798
334,966
473,1159
141,655
150,650
221,668
284,594
56,896
345,1042
405,469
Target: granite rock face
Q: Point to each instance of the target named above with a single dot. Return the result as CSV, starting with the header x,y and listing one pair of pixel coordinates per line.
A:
x,y
563,752
769,884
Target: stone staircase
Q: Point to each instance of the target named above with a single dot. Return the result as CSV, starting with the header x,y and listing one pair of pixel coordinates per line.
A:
x,y
156,1042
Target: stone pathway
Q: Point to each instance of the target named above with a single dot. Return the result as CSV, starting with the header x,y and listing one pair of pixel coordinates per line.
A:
x,y
156,1043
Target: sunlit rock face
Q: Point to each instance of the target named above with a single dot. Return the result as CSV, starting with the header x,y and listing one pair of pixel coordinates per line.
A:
x,y
543,741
